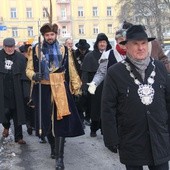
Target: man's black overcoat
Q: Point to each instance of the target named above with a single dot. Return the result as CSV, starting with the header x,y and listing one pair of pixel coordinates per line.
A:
x,y
140,130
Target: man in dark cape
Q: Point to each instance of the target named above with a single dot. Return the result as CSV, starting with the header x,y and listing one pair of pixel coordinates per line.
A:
x,y
59,82
89,68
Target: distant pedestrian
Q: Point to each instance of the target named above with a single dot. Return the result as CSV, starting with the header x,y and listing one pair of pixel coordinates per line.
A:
x,y
69,43
82,102
12,66
27,90
107,59
89,68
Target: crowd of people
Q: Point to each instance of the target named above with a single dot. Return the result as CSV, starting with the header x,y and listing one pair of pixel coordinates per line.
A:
x,y
123,91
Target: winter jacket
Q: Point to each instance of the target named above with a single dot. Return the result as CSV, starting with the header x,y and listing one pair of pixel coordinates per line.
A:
x,y
140,130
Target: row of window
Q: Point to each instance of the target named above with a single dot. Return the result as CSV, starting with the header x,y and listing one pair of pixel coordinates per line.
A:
x,y
63,30
96,29
15,33
13,12
95,12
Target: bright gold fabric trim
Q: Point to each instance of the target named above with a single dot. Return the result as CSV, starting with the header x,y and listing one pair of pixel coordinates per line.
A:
x,y
59,94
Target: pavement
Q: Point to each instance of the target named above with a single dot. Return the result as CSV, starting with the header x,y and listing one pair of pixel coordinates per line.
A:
x,y
81,153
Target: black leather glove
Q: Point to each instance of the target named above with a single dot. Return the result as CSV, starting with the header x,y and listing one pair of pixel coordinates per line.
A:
x,y
37,77
77,98
113,148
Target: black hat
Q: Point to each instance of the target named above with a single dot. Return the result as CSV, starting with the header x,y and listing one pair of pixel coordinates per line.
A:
x,y
126,25
49,28
82,44
101,37
136,32
9,42
24,48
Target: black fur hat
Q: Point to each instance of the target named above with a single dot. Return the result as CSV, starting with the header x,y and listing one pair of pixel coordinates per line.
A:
x,y
49,28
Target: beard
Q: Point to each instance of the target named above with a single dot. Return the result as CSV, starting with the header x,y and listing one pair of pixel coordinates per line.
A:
x,y
50,41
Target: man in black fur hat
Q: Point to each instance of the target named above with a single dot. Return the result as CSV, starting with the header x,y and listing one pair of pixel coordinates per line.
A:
x,y
59,82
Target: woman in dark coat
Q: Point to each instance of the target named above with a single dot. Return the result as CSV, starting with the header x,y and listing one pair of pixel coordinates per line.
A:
x,y
136,94
89,68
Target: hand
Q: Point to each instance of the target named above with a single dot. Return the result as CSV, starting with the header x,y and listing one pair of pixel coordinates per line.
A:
x,y
92,87
77,98
37,77
84,92
113,148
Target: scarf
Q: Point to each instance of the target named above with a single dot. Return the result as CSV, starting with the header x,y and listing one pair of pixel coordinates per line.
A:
x,y
141,65
51,59
120,50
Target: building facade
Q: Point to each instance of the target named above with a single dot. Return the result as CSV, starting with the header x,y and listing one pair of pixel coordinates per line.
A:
x,y
64,19
24,18
90,17
76,19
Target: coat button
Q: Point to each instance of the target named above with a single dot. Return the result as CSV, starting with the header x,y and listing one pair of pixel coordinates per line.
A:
x,y
148,112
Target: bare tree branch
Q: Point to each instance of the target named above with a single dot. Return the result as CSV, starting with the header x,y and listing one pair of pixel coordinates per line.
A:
x,y
49,14
154,14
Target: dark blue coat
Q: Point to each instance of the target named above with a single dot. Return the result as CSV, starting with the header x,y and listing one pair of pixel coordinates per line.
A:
x,y
69,126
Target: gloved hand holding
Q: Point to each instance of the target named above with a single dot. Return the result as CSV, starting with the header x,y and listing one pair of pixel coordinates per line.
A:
x,y
77,98
92,87
84,92
37,77
113,148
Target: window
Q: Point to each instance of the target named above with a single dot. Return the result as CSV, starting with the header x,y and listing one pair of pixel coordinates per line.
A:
x,y
45,12
30,31
81,29
109,11
13,13
95,11
29,12
64,30
15,32
95,29
80,12
63,13
109,28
